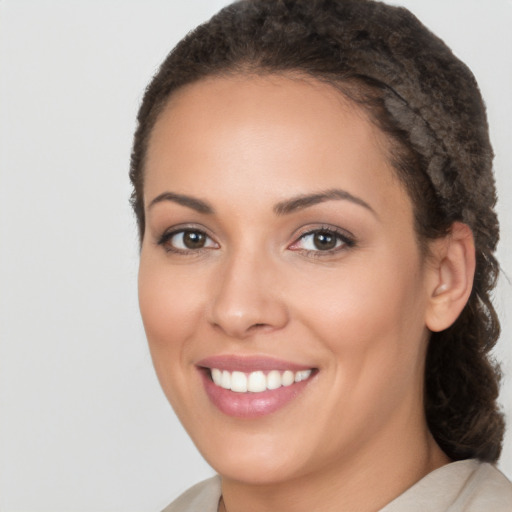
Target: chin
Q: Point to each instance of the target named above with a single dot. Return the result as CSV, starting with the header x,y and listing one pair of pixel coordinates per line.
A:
x,y
256,470
254,457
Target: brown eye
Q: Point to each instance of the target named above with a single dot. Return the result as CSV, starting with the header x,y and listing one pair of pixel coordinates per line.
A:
x,y
187,240
193,239
324,240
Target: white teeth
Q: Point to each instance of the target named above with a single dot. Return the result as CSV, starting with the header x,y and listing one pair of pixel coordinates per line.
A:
x,y
256,382
225,382
274,380
217,376
288,378
238,382
303,375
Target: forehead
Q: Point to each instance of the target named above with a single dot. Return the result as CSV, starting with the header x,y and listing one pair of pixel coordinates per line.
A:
x,y
270,101
277,99
287,135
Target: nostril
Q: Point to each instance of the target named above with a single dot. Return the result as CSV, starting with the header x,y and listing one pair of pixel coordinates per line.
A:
x,y
258,326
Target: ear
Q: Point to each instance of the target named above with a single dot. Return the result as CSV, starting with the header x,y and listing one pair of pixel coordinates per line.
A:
x,y
452,269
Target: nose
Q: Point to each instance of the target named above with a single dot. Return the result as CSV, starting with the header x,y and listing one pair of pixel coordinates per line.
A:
x,y
247,298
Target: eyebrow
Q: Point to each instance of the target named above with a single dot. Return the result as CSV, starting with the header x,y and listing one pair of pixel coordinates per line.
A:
x,y
190,202
282,208
307,200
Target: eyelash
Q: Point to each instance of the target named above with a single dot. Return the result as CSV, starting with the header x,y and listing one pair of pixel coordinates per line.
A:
x,y
167,236
344,241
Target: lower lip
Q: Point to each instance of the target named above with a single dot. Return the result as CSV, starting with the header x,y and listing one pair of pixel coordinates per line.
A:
x,y
251,405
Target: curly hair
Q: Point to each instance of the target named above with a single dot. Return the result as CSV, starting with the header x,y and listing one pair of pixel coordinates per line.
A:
x,y
428,104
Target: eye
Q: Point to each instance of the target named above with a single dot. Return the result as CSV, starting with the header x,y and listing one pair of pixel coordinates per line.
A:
x,y
322,240
186,240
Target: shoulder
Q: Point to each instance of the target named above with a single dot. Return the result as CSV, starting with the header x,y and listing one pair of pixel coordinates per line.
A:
x,y
487,489
463,486
203,496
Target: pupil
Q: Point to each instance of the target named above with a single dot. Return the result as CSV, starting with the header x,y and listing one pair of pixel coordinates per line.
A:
x,y
324,241
193,239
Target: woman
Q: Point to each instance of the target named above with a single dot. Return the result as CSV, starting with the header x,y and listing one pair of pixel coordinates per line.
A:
x,y
314,192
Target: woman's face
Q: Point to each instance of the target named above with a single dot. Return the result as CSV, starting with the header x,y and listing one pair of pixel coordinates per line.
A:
x,y
280,247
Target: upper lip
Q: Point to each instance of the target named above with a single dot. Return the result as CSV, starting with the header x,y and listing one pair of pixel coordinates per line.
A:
x,y
249,364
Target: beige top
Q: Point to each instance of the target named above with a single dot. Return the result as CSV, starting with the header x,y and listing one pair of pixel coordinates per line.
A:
x,y
463,486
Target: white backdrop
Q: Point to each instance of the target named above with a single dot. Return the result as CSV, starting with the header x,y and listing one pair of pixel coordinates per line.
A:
x,y
83,423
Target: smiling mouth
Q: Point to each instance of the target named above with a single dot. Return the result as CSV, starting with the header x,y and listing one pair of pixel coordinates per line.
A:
x,y
251,387
257,381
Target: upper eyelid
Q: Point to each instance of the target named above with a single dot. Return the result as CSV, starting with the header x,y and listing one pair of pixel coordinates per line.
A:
x,y
185,227
307,230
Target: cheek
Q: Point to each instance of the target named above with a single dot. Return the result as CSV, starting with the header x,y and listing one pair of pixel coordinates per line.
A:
x,y
369,313
170,310
372,330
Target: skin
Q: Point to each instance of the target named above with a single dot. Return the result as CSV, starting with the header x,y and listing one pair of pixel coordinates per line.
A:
x,y
356,437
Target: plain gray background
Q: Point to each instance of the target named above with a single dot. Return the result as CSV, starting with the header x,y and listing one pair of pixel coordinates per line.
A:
x,y
83,424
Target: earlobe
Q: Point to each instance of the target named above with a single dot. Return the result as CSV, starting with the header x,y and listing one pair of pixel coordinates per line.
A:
x,y
452,272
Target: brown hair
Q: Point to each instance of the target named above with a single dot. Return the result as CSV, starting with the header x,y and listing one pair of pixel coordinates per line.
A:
x,y
430,107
